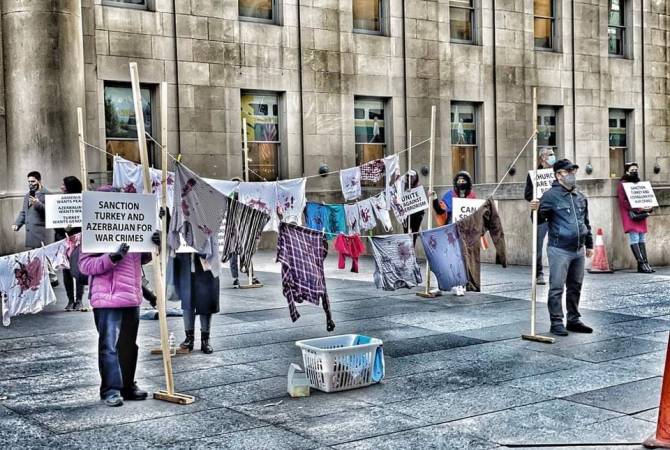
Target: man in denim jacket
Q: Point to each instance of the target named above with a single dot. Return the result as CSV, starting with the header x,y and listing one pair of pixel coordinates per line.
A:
x,y
566,212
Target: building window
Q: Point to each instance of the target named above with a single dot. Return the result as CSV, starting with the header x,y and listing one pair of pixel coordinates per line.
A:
x,y
258,10
369,129
618,141
136,4
368,16
616,28
547,121
462,21
463,137
261,110
120,123
544,24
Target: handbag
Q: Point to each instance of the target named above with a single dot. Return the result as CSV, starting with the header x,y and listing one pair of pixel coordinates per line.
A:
x,y
637,216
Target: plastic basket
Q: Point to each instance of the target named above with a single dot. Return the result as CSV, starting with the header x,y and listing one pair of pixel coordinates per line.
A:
x,y
337,363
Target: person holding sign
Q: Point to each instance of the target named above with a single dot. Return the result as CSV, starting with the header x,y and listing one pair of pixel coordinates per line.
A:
x,y
634,220
547,158
566,211
413,222
32,214
71,185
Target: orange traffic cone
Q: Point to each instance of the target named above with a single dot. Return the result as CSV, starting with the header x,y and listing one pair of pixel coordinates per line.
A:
x,y
661,439
599,263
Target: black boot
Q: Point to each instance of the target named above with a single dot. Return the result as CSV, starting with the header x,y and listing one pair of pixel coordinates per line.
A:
x,y
189,341
643,251
204,343
70,305
641,267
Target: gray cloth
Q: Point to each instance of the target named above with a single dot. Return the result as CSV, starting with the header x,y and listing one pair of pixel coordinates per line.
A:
x,y
33,218
542,229
566,271
395,262
242,232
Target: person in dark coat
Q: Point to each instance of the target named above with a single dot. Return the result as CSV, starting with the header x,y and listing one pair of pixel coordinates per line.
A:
x,y
71,185
32,214
196,281
413,222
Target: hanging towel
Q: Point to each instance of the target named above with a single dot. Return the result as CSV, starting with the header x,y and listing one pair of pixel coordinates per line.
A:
x,y
129,177
381,211
263,197
353,218
301,253
337,220
366,215
372,170
350,179
443,251
243,229
394,186
226,187
349,246
317,216
395,262
291,199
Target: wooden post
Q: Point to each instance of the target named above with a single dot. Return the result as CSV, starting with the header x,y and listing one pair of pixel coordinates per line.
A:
x,y
245,150
533,291
82,150
409,151
433,112
168,394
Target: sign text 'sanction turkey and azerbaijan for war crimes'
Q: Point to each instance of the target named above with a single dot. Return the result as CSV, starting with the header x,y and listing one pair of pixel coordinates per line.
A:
x,y
111,219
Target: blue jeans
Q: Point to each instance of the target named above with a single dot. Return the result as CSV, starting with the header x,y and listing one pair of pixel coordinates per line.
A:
x,y
117,350
637,238
542,230
566,272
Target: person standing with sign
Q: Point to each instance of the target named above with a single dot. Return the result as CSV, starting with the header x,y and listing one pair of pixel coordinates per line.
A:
x,y
634,220
413,222
566,211
32,214
71,185
547,159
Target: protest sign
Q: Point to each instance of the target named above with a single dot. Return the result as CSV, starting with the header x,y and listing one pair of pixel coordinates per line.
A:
x,y
113,218
640,195
545,178
463,207
62,210
414,200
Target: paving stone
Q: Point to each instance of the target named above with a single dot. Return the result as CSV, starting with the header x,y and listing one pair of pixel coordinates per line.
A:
x,y
649,416
652,364
427,344
17,431
245,392
608,350
265,438
203,378
627,398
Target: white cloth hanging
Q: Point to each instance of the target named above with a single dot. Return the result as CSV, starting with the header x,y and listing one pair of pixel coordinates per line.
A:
x,y
350,179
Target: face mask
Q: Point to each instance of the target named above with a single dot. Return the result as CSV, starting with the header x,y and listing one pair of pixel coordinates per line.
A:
x,y
551,160
570,181
633,177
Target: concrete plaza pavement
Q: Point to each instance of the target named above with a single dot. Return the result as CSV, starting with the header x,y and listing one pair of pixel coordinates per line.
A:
x,y
457,374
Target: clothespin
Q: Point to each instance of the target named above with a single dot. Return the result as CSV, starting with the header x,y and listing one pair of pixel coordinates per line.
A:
x,y
179,157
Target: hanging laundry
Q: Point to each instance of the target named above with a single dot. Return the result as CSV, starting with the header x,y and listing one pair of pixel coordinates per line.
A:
x,y
351,247
198,214
394,186
366,215
291,199
381,211
337,219
129,177
263,197
317,216
24,284
372,170
244,226
353,218
471,229
57,253
226,187
395,262
301,253
443,250
350,179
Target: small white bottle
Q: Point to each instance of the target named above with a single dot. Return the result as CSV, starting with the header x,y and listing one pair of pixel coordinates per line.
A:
x,y
173,346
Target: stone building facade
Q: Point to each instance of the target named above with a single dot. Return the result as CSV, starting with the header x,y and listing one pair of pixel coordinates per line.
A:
x,y
334,82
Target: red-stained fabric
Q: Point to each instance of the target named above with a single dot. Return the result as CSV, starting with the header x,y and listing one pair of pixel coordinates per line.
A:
x,y
349,246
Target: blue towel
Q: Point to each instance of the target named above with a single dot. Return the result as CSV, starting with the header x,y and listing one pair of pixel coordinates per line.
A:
x,y
378,369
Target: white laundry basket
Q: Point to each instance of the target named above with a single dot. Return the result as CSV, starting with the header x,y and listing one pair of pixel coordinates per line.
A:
x,y
337,363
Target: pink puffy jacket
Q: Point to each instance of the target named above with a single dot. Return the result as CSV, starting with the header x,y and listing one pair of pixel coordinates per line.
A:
x,y
114,285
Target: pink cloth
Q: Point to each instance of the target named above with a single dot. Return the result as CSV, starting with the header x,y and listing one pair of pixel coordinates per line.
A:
x,y
113,285
629,225
350,246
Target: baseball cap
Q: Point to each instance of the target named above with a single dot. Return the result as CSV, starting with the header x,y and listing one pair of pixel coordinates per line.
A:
x,y
564,164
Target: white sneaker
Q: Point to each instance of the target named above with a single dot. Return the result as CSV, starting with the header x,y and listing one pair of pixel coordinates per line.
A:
x,y
460,291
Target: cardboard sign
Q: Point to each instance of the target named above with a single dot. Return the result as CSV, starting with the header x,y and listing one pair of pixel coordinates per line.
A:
x,y
463,207
545,178
414,200
112,218
62,210
640,195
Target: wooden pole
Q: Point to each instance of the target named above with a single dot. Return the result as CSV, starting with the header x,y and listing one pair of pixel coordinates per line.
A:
x,y
409,167
164,175
433,112
168,394
82,149
533,291
245,150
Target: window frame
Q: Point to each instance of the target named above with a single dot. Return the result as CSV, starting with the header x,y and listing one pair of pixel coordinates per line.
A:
x,y
279,166
147,6
557,115
386,108
477,145
624,28
273,21
382,21
473,24
553,36
627,149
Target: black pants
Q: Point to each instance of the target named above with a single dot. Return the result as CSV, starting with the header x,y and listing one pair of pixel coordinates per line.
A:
x,y
69,281
117,350
414,225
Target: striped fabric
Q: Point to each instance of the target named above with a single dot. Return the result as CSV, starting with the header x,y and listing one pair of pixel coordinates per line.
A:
x,y
242,232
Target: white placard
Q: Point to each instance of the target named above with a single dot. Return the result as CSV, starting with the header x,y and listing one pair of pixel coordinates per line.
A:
x,y
183,246
463,207
414,200
62,210
545,178
640,195
113,218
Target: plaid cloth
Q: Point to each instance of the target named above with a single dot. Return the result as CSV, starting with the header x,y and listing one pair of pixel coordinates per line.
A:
x,y
372,170
301,252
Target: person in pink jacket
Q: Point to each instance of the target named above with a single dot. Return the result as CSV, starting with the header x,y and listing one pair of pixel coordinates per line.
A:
x,y
115,290
634,220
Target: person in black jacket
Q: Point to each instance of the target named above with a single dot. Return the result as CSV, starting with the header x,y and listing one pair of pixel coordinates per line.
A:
x,y
566,212
71,185
547,158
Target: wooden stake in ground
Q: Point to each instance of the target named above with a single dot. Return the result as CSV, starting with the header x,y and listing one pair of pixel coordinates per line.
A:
x,y
533,292
245,152
428,293
168,394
